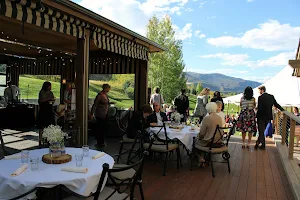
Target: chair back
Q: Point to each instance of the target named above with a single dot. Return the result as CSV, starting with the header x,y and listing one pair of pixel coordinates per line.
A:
x,y
155,136
124,185
2,152
123,120
222,135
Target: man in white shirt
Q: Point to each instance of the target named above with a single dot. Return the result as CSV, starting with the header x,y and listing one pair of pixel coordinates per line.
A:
x,y
11,93
157,116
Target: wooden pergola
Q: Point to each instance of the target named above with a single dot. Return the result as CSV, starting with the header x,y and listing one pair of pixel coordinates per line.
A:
x,y
59,37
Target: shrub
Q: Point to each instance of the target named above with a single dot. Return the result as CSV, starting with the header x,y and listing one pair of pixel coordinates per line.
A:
x,y
130,92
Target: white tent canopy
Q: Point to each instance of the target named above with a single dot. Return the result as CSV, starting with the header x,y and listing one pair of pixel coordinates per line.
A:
x,y
284,87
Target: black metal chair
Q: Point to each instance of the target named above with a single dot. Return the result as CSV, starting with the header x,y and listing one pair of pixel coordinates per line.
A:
x,y
122,122
219,146
165,145
115,188
25,194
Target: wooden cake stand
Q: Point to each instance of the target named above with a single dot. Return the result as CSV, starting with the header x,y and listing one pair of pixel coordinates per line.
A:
x,y
56,160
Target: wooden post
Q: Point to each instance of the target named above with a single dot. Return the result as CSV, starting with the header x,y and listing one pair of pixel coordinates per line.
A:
x,y
284,122
82,78
141,84
292,138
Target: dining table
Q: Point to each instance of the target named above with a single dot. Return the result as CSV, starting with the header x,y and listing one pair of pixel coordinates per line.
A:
x,y
51,175
184,135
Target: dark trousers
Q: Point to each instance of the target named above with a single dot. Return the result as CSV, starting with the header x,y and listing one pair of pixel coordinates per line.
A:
x,y
100,130
262,124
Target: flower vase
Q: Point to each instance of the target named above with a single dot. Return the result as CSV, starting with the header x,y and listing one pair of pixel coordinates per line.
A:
x,y
55,149
62,148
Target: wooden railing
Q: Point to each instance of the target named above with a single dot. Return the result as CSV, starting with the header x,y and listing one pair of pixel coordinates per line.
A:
x,y
287,125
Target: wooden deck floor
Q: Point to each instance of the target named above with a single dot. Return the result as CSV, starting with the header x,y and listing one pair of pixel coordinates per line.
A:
x,y
254,175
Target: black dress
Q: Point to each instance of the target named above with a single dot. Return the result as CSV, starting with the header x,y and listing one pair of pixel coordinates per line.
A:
x,y
46,114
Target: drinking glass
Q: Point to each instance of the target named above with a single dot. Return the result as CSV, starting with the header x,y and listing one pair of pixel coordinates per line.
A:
x,y
24,156
79,158
85,149
34,163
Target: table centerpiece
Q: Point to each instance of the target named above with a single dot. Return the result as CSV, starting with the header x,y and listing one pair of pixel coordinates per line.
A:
x,y
55,136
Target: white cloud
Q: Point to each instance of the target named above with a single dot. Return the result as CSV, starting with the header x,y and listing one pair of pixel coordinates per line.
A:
x,y
184,33
202,4
134,14
213,2
278,60
243,59
226,71
199,34
189,10
249,1
212,17
269,36
229,59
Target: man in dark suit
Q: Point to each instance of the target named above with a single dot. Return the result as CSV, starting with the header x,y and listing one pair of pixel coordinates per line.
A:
x,y
264,114
157,116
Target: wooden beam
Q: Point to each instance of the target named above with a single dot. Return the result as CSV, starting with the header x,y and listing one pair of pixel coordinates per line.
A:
x,y
82,80
294,64
141,84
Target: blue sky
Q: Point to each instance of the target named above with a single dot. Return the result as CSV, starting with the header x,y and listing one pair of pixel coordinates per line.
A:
x,y
250,39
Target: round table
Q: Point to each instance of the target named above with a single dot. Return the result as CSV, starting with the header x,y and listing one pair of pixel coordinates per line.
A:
x,y
50,175
185,136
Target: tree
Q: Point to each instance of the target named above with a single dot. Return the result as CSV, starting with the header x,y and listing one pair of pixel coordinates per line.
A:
x,y
199,87
166,68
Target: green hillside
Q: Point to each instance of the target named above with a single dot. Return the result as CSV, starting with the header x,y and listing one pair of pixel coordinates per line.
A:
x,y
30,87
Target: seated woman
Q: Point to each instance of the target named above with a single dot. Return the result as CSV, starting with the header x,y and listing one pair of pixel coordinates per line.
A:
x,y
207,130
59,114
139,121
157,116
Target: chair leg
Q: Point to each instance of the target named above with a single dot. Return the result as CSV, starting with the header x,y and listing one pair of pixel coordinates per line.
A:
x,y
165,164
141,191
228,164
212,166
120,151
178,156
180,161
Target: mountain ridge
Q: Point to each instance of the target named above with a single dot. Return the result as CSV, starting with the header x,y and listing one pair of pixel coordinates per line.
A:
x,y
220,82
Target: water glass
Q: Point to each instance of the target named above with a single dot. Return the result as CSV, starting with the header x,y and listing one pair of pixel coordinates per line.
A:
x,y
85,149
24,156
79,158
34,163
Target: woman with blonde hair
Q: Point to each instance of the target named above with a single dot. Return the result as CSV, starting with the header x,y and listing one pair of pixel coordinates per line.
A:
x,y
202,100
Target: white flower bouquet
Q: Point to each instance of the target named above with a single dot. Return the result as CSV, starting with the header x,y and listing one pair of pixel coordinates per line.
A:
x,y
175,116
53,134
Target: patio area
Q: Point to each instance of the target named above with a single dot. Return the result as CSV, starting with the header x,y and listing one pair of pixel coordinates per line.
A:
x,y
254,174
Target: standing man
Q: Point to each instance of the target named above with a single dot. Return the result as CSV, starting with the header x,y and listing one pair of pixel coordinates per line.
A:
x,y
264,114
11,93
182,104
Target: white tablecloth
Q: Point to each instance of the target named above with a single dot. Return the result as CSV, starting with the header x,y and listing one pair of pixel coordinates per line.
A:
x,y
185,135
50,175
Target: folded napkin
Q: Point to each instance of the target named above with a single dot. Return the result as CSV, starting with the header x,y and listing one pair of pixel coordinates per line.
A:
x,y
20,170
98,155
11,157
75,169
